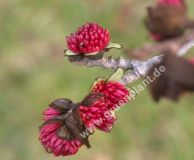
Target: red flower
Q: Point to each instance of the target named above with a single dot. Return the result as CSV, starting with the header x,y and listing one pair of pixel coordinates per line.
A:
x,y
97,116
50,139
113,91
89,38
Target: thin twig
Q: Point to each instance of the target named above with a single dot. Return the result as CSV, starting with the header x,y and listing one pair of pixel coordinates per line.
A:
x,y
108,62
135,69
140,70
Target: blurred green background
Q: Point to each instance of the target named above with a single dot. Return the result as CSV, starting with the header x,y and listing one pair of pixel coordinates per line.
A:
x,y
33,72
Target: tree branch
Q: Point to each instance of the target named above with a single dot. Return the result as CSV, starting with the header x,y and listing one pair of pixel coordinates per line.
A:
x,y
135,69
109,62
140,70
179,45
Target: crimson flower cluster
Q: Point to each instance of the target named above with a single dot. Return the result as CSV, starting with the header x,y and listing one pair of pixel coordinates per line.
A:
x,y
65,121
113,91
103,109
91,38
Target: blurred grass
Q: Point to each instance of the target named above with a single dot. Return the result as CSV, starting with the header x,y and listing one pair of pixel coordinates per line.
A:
x,y
33,72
